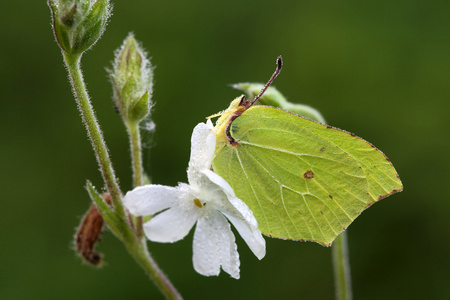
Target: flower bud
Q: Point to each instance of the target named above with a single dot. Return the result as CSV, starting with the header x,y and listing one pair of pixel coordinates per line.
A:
x,y
132,80
78,24
272,97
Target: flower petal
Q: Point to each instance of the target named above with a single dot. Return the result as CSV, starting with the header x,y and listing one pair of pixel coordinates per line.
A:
x,y
203,144
214,246
171,225
239,215
251,236
237,203
219,181
150,199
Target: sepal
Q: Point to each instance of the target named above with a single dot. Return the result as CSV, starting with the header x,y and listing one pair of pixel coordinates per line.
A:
x,y
78,24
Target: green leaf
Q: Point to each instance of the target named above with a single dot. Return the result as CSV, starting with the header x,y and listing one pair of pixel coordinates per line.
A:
x,y
303,180
115,223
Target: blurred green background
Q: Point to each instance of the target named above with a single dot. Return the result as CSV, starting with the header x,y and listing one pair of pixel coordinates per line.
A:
x,y
380,69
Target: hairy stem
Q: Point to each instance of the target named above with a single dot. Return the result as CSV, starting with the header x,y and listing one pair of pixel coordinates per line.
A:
x,y
136,153
140,253
135,245
93,129
341,268
138,169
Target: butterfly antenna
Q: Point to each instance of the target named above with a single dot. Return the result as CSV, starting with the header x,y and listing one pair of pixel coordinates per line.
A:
x,y
274,75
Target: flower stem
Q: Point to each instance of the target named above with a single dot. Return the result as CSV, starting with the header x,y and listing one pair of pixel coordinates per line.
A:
x,y
138,169
136,153
341,268
135,246
140,253
341,262
93,129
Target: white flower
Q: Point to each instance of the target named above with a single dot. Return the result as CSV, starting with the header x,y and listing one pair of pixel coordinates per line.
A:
x,y
208,200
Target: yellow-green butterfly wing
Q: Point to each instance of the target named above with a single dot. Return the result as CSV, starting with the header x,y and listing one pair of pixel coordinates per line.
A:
x,y
303,180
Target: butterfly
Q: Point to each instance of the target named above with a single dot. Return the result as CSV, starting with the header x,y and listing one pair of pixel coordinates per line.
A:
x,y
303,180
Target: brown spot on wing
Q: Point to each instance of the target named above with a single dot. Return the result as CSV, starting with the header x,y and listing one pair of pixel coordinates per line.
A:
x,y
308,174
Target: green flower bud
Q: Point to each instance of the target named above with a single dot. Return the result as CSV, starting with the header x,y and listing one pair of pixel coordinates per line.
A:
x,y
132,80
78,24
272,97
